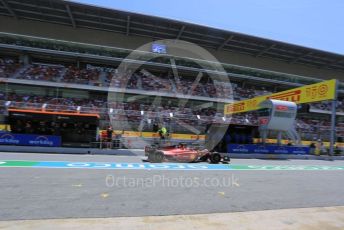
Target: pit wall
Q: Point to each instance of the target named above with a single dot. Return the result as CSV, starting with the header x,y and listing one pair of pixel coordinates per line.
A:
x,y
175,137
133,136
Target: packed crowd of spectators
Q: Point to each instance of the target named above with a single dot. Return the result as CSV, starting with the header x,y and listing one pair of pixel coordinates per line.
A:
x,y
151,82
41,72
49,72
8,67
241,93
141,80
144,80
81,76
340,129
124,80
314,125
327,105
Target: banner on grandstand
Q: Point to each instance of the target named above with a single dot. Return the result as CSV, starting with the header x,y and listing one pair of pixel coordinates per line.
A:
x,y
321,91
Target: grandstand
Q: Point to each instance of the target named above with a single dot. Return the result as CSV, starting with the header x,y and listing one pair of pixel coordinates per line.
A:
x,y
63,56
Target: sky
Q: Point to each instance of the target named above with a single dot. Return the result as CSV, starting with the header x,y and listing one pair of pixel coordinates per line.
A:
x,y
315,24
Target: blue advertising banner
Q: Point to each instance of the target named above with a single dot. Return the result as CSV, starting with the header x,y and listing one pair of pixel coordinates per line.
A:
x,y
29,139
267,149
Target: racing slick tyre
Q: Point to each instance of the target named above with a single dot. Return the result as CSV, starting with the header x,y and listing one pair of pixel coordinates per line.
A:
x,y
215,158
151,156
157,157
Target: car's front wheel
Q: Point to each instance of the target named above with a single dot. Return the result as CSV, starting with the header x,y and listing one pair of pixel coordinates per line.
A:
x,y
215,158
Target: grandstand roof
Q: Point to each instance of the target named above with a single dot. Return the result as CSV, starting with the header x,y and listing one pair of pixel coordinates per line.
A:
x,y
80,15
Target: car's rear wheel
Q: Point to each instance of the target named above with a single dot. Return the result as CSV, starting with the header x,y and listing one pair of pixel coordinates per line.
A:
x,y
215,158
151,156
159,157
156,157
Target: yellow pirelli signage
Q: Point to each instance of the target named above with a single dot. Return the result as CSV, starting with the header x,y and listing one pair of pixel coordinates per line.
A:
x,y
321,91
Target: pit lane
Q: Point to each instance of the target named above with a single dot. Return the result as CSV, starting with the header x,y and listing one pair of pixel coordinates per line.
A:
x,y
50,192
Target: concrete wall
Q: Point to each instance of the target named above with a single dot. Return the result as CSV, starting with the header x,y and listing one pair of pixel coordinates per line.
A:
x,y
35,28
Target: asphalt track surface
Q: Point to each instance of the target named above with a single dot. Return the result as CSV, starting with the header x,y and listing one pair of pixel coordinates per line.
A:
x,y
41,193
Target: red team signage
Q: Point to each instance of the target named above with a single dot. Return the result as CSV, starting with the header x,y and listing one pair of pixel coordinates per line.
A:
x,y
294,96
282,108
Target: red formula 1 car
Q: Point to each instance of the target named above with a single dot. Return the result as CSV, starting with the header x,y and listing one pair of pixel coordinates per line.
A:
x,y
183,154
